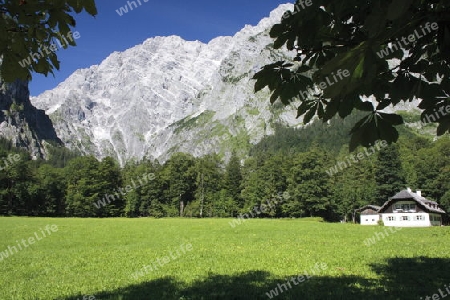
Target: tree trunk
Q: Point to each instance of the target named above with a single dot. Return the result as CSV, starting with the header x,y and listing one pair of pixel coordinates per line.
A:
x,y
181,206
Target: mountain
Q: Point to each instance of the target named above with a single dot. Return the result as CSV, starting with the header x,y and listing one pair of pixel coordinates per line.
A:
x,y
168,95
21,123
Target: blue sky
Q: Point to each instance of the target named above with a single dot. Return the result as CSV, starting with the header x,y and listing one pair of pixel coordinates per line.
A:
x,y
108,32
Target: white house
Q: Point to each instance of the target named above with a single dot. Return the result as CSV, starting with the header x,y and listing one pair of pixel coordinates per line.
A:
x,y
405,209
369,214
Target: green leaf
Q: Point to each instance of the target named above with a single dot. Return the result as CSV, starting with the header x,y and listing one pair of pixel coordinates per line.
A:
x,y
444,126
268,76
276,30
10,71
397,8
54,60
376,126
419,66
41,35
89,6
383,104
359,70
309,115
303,108
331,109
364,105
41,66
363,132
280,41
376,21
351,62
393,119
76,5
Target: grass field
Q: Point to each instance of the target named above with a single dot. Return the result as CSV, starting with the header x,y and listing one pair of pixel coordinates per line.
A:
x,y
208,259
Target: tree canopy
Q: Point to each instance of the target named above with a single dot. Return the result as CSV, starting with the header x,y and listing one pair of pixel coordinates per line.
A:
x,y
363,55
267,184
32,30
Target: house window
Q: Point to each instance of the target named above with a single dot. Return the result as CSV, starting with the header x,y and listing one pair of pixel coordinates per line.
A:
x,y
420,218
405,218
405,207
435,218
390,218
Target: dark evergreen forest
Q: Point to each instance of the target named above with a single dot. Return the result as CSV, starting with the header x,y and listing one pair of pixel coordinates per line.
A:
x,y
310,168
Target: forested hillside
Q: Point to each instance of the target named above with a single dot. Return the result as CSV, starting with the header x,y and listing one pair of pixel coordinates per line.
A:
x,y
305,172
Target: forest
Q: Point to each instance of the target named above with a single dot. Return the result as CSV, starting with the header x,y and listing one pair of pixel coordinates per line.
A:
x,y
310,168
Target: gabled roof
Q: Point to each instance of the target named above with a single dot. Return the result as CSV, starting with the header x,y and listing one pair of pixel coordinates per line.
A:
x,y
374,207
421,201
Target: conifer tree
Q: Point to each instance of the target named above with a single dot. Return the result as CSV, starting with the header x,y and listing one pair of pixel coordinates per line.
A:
x,y
389,174
233,178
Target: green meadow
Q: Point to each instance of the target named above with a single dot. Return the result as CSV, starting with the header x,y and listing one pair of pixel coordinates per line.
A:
x,y
209,259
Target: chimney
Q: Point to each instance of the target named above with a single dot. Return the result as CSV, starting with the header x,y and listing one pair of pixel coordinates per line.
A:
x,y
419,193
409,190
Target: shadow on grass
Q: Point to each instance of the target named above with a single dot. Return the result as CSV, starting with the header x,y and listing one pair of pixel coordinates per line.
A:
x,y
399,278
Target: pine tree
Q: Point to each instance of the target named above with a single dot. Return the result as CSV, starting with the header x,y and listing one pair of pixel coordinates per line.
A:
x,y
389,174
233,178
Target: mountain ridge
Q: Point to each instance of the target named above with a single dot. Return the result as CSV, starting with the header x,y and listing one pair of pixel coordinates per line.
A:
x,y
160,85
169,95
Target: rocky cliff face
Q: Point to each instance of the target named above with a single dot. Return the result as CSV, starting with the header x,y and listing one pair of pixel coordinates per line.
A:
x,y
163,96
170,95
27,127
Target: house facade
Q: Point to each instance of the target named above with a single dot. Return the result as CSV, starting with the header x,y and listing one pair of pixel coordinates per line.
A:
x,y
405,209
369,215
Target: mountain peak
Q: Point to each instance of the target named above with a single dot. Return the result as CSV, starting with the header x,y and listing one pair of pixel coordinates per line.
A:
x,y
268,22
167,95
